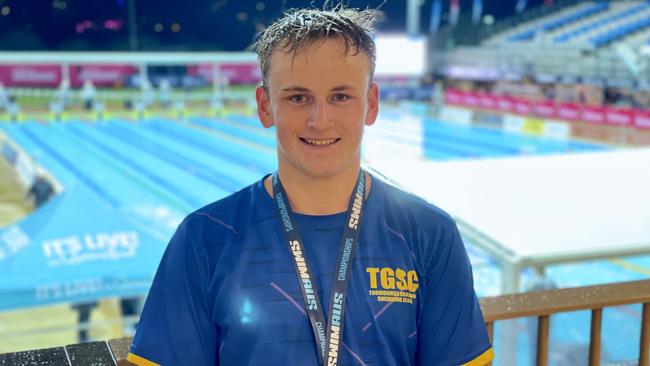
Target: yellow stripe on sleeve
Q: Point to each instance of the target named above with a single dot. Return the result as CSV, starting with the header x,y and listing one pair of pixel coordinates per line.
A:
x,y
481,360
140,361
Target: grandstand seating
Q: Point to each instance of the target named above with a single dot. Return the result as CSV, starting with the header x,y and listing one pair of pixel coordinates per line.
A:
x,y
503,37
586,25
597,25
620,32
588,40
638,38
558,22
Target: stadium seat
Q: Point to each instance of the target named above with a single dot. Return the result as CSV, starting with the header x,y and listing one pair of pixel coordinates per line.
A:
x,y
598,25
561,21
620,32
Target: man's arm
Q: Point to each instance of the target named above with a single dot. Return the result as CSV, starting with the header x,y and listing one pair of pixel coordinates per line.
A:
x,y
451,330
175,327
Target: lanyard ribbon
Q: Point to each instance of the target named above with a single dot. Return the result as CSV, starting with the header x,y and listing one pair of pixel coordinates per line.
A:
x,y
327,341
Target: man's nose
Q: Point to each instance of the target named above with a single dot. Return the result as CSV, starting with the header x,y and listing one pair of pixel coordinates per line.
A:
x,y
319,117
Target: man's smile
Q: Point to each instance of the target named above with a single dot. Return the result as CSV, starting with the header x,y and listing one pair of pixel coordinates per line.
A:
x,y
320,142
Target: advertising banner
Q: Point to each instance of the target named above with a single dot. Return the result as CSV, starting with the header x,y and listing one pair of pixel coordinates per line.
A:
x,y
235,73
513,124
100,75
471,100
488,119
549,110
544,108
454,97
593,115
30,75
557,130
61,253
506,104
642,119
619,116
533,126
488,101
568,111
456,115
523,106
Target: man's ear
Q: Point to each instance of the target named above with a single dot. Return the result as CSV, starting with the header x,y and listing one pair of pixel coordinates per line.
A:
x,y
263,106
373,104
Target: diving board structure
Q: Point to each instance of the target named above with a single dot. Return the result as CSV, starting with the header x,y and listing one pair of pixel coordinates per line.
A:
x,y
532,212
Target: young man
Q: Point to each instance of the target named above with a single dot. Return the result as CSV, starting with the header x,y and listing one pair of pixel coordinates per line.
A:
x,y
319,263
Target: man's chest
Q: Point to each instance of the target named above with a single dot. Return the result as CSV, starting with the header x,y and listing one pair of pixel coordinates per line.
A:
x,y
257,295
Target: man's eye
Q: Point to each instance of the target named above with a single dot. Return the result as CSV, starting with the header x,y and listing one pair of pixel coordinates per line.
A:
x,y
300,98
340,97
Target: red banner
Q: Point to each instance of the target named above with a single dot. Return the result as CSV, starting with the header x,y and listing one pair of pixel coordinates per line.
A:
x,y
523,106
235,73
100,75
613,116
619,116
544,109
51,75
642,118
30,75
595,115
471,99
506,104
568,111
488,101
454,97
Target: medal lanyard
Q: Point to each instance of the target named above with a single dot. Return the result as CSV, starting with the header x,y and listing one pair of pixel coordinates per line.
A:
x,y
328,334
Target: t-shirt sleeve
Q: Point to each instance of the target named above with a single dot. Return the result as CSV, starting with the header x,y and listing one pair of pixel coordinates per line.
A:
x,y
451,330
175,327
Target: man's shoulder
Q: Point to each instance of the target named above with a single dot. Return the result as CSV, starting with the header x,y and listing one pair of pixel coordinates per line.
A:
x,y
225,217
403,207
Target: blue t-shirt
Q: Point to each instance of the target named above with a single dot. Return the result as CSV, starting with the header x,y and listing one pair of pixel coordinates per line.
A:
x,y
226,291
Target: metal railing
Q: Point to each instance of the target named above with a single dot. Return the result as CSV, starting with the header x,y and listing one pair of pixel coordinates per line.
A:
x,y
543,304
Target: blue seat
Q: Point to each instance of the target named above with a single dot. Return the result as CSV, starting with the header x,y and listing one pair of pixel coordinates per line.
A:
x,y
612,35
560,22
563,38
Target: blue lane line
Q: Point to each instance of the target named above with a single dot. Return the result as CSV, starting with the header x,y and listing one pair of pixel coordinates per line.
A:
x,y
251,122
236,145
480,134
55,167
89,182
255,150
148,146
131,188
451,150
246,135
210,149
236,168
496,148
137,167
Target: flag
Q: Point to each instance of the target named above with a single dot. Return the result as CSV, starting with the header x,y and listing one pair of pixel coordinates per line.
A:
x,y
520,6
477,11
436,11
454,11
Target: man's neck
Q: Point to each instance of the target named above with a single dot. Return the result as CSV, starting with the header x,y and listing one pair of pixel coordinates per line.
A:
x,y
318,196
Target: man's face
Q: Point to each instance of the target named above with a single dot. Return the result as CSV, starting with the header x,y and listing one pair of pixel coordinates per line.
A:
x,y
319,102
